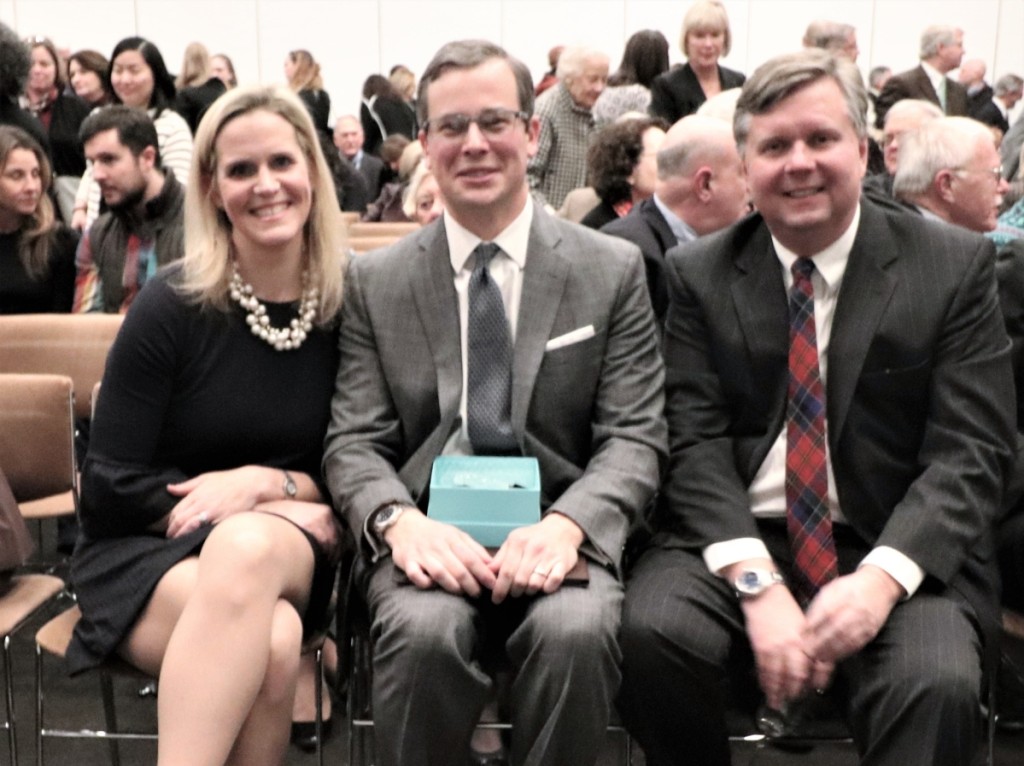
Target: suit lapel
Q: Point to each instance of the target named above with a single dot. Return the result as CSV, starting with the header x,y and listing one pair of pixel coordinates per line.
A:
x,y
543,284
650,212
867,288
433,290
760,298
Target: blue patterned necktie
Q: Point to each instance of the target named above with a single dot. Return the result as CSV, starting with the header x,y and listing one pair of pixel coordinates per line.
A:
x,y
807,514
489,379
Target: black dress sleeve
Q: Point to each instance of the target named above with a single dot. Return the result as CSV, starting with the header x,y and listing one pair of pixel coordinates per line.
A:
x,y
62,269
124,487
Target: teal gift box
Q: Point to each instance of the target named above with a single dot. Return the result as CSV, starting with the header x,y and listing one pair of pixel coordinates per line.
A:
x,y
485,497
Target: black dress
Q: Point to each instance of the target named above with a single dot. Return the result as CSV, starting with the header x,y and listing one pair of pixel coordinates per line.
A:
x,y
186,390
21,294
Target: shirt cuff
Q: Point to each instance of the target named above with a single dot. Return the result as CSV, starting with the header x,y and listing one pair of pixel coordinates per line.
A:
x,y
900,568
717,556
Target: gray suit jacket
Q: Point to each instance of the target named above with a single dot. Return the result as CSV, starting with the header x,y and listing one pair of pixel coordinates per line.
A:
x,y
919,397
590,412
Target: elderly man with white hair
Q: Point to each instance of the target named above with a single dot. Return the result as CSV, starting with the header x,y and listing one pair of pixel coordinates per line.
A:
x,y
904,117
942,49
566,122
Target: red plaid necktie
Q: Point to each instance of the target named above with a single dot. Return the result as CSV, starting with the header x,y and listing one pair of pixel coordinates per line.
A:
x,y
807,515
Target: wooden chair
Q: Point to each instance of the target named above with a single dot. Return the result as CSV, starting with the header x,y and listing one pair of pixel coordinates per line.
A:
x,y
37,454
364,244
396,229
75,345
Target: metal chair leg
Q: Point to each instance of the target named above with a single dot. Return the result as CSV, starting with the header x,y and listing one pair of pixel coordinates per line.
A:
x,y
39,706
318,686
110,715
12,737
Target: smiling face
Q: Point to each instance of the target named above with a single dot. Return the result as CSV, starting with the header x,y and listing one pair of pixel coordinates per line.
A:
x,y
43,75
86,83
482,176
804,164
263,184
21,186
132,79
586,86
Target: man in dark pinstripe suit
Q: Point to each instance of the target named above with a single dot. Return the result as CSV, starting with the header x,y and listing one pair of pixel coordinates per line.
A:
x,y
919,427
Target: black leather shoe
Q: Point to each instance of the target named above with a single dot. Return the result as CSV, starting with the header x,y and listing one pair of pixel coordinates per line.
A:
x,y
304,734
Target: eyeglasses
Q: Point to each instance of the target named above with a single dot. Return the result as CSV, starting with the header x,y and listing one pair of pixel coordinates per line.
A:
x,y
492,123
996,172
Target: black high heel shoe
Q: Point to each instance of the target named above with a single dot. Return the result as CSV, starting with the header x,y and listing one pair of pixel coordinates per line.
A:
x,y
304,734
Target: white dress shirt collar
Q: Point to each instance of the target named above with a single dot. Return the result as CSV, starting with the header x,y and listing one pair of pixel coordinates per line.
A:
x,y
830,263
513,241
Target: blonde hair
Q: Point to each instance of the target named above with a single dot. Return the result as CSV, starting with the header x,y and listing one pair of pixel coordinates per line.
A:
x,y
707,15
404,81
419,175
38,226
207,261
307,72
195,67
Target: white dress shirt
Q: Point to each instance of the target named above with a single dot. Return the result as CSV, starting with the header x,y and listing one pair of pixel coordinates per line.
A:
x,y
767,491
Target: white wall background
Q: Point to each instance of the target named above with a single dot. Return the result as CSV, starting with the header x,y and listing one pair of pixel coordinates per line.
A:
x,y
354,38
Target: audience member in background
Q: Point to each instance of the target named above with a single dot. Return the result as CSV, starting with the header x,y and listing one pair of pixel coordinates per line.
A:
x,y
550,77
349,139
622,166
837,38
629,87
303,75
388,205
208,550
15,63
142,227
942,49
877,78
37,252
197,86
422,201
383,113
88,72
903,118
405,84
61,114
566,122
221,66
705,39
140,80
1007,92
700,188
348,182
972,77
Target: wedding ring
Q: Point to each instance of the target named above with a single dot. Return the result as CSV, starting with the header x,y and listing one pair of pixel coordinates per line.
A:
x,y
540,572
203,519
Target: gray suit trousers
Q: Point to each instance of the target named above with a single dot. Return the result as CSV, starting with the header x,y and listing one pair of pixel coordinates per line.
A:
x,y
429,685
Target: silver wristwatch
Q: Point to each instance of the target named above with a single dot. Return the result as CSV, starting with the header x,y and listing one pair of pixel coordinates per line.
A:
x,y
386,518
753,582
291,489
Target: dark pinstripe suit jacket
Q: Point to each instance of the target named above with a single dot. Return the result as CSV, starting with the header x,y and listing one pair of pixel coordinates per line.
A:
x,y
590,412
920,399
914,83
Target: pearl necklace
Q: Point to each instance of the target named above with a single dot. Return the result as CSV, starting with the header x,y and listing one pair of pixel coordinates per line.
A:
x,y
284,338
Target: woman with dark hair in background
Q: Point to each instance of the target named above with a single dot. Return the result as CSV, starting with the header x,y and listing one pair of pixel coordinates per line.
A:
x,y
622,166
197,86
87,70
628,89
704,40
140,80
383,113
61,115
37,253
303,74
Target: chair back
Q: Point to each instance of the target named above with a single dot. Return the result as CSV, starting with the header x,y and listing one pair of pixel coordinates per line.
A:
x,y
75,345
396,229
37,435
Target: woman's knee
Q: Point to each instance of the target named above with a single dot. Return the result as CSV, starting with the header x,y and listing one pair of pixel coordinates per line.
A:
x,y
252,555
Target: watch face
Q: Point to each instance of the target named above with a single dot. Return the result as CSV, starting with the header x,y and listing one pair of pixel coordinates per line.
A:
x,y
384,515
748,581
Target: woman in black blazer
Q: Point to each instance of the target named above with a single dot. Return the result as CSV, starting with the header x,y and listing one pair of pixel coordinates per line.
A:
x,y
705,39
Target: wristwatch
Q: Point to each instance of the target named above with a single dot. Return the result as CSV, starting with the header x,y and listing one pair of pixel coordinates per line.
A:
x,y
753,582
291,489
386,518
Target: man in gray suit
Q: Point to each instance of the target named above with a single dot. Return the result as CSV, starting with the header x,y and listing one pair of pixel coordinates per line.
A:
x,y
580,389
841,412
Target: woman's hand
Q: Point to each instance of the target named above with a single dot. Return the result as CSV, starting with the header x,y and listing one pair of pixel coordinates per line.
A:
x,y
209,497
315,518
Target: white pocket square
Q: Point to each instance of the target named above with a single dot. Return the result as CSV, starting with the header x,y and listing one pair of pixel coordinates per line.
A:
x,y
577,335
